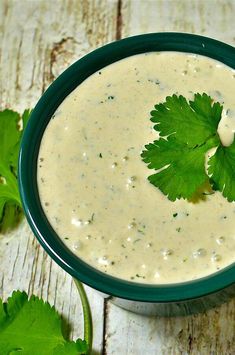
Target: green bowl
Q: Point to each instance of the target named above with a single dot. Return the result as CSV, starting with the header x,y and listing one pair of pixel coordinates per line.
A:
x,y
41,115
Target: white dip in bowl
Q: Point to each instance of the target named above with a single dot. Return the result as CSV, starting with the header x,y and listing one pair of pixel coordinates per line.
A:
x,y
93,182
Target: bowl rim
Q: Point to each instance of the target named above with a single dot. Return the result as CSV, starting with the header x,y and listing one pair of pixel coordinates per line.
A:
x,y
27,168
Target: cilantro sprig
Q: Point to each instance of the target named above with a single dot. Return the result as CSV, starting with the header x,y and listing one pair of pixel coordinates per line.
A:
x,y
32,326
188,130
12,125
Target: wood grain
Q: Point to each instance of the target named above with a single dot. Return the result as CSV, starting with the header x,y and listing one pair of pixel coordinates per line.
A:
x,y
39,39
212,18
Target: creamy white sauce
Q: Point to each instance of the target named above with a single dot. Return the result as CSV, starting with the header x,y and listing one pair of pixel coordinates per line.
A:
x,y
93,184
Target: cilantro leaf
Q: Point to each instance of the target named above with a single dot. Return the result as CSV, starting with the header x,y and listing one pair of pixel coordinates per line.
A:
x,y
222,171
34,327
176,161
189,130
10,136
191,123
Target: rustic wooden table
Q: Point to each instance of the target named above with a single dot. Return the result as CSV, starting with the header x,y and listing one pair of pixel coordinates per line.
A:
x,y
39,39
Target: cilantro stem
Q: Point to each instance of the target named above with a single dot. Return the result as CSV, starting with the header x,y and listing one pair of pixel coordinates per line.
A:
x,y
88,331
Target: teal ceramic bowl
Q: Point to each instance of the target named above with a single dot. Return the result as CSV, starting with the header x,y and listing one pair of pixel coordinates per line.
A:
x,y
161,299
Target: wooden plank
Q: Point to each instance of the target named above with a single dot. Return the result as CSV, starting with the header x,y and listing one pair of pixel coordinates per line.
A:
x,y
208,333
212,18
39,39
213,331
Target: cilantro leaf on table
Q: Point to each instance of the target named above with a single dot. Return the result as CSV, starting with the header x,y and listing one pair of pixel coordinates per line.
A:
x,y
222,171
10,137
190,131
192,123
178,161
31,326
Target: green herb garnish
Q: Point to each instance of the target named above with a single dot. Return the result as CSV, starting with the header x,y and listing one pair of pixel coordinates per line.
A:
x,y
32,326
187,131
11,130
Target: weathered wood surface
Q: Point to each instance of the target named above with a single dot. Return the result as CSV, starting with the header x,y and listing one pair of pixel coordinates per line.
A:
x,y
39,39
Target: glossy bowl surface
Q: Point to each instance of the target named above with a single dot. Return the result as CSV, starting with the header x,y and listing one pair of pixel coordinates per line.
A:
x,y
40,117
